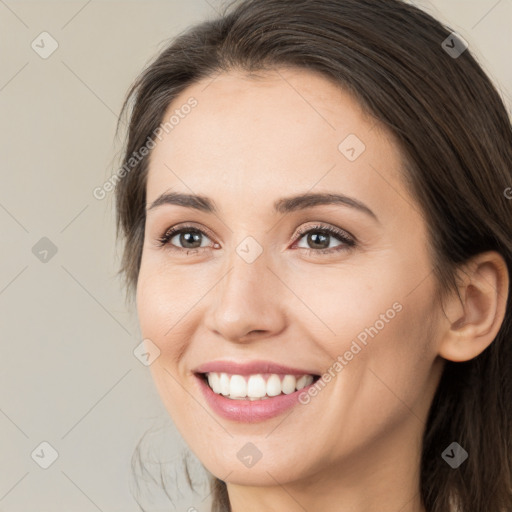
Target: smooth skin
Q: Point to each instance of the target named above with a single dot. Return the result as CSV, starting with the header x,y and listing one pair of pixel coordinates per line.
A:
x,y
249,142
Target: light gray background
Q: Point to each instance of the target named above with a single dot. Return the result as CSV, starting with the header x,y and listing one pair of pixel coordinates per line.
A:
x,y
68,375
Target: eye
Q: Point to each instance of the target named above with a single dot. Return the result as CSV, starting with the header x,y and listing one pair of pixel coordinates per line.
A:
x,y
319,238
189,237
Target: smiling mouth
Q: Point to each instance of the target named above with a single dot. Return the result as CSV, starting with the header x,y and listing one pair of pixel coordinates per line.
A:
x,y
261,386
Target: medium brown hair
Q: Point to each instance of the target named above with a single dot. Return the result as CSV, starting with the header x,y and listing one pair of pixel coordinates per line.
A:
x,y
455,136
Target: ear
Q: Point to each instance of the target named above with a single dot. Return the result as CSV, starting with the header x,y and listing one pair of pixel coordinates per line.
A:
x,y
472,324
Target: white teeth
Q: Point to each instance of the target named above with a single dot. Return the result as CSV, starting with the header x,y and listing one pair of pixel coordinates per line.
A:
x,y
224,383
254,387
288,384
273,385
304,381
214,381
237,387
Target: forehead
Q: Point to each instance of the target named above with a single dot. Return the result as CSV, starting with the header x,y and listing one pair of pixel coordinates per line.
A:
x,y
285,129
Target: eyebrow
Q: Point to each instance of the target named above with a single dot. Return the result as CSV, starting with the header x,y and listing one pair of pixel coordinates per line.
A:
x,y
283,205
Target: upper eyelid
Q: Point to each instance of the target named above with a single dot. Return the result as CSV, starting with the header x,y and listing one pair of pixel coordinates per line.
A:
x,y
332,230
186,225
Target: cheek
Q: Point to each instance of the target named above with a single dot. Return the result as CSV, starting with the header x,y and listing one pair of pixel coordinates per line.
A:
x,y
381,386
162,309
374,325
344,302
170,305
387,374
165,296
364,295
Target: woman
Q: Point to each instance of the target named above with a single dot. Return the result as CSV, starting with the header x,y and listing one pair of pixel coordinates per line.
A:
x,y
317,232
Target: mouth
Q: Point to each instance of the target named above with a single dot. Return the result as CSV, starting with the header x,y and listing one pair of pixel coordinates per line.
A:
x,y
255,387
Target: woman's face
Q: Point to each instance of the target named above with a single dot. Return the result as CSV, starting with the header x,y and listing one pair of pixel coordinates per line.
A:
x,y
257,279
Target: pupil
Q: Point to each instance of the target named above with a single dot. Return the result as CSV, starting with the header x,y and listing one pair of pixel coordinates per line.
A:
x,y
188,236
314,238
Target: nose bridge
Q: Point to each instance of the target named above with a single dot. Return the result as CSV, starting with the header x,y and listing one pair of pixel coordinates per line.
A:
x,y
247,298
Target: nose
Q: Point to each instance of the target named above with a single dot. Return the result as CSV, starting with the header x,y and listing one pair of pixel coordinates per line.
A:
x,y
247,303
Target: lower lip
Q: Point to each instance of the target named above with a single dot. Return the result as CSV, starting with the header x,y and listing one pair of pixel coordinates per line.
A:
x,y
249,411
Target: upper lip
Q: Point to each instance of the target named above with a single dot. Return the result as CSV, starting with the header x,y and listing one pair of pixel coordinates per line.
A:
x,y
250,368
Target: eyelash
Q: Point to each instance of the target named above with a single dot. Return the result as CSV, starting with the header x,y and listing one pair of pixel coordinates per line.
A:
x,y
342,236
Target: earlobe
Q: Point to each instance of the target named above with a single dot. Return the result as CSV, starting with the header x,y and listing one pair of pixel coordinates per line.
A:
x,y
472,325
